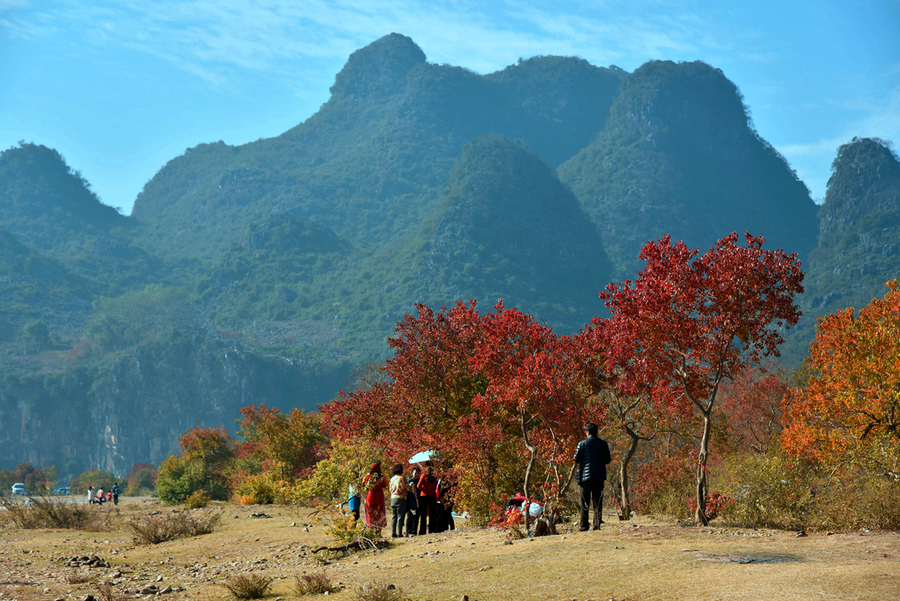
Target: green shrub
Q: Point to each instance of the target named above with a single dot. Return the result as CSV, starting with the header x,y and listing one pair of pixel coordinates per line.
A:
x,y
205,455
775,491
96,478
180,477
345,529
197,500
855,499
770,491
255,490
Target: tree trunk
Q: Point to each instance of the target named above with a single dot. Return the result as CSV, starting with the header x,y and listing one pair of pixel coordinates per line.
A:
x,y
552,508
624,498
702,482
531,459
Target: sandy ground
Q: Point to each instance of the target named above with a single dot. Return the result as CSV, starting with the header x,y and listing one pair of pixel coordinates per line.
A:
x,y
642,559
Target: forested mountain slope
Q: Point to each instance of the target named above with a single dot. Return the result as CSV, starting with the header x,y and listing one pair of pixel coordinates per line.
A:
x,y
45,203
266,273
375,158
678,157
859,237
505,227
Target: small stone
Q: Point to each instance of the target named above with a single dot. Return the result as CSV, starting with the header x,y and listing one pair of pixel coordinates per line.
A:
x,y
507,542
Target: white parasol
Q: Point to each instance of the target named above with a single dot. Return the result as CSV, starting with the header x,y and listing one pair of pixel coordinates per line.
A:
x,y
422,456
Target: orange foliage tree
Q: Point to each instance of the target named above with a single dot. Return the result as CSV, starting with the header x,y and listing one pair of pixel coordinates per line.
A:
x,y
851,403
288,443
201,465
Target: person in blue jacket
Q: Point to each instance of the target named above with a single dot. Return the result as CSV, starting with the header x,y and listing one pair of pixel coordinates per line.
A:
x,y
591,457
353,502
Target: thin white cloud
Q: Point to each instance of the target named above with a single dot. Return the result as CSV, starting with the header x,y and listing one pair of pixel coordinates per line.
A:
x,y
6,5
206,36
882,120
225,42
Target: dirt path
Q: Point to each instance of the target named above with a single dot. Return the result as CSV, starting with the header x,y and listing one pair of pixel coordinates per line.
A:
x,y
645,559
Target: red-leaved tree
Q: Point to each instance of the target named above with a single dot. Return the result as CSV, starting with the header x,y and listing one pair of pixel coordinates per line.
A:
x,y
752,401
490,393
424,401
704,318
641,402
534,384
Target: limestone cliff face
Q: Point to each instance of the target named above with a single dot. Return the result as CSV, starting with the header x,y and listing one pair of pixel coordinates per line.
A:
x,y
859,229
133,408
865,180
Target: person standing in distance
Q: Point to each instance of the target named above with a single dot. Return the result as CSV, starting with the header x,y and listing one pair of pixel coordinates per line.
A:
x,y
591,457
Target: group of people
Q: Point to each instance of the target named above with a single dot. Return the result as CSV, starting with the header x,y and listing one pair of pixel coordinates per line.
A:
x,y
100,496
422,503
419,504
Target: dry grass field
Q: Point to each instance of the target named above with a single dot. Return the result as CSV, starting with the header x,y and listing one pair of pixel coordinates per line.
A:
x,y
643,559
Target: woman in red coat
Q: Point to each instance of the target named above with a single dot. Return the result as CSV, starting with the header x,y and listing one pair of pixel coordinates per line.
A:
x,y
427,486
375,483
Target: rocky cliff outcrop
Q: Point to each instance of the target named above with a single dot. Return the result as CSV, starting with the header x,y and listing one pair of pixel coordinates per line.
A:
x,y
133,406
859,239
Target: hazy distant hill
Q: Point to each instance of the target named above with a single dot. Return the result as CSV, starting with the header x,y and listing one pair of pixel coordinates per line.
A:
x,y
859,237
51,208
372,163
266,273
678,156
45,203
506,227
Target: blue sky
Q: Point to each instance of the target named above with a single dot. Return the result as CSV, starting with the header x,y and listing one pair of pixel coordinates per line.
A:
x,y
121,87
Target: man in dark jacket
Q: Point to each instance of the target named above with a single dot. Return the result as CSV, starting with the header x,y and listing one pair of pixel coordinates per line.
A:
x,y
412,506
591,457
